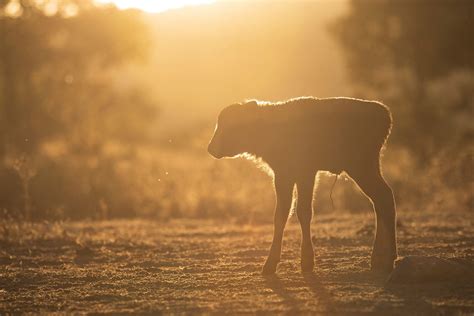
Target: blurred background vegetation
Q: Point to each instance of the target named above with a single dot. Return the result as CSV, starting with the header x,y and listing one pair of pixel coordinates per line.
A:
x,y
106,113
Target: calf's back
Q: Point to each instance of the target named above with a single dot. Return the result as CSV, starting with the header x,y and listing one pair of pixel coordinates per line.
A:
x,y
325,134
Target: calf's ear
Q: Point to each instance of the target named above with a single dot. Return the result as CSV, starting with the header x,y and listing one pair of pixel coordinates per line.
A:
x,y
251,112
256,111
251,103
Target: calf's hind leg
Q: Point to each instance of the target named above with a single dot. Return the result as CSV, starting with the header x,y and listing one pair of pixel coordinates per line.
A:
x,y
372,183
304,211
284,195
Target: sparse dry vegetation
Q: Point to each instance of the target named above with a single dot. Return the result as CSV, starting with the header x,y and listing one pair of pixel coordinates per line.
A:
x,y
204,266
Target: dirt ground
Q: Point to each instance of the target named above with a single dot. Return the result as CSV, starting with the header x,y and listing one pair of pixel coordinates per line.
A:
x,y
212,267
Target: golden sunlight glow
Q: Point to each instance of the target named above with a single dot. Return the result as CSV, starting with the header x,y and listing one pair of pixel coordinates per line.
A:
x,y
154,6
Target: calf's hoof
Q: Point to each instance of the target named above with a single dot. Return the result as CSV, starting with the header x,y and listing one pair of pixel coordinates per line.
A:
x,y
269,267
382,264
307,258
307,266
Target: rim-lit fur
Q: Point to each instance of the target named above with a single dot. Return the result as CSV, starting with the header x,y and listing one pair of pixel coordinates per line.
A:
x,y
299,137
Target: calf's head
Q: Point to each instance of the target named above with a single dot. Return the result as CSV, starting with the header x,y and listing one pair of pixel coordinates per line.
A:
x,y
234,128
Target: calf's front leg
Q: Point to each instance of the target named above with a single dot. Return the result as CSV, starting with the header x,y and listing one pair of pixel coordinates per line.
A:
x,y
284,194
304,211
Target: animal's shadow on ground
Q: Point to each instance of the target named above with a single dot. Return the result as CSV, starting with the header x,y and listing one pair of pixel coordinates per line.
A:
x,y
277,285
328,293
290,289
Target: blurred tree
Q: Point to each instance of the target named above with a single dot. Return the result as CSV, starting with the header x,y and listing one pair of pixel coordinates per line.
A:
x,y
54,68
59,92
417,56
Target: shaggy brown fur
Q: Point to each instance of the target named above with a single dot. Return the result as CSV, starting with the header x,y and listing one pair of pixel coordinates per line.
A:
x,y
299,137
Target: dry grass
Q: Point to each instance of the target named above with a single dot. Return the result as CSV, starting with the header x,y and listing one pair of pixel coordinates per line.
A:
x,y
198,266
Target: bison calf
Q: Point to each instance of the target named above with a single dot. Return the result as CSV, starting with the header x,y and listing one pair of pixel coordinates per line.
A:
x,y
299,137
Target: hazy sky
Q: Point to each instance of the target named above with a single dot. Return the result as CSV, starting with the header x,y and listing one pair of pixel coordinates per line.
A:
x,y
155,5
